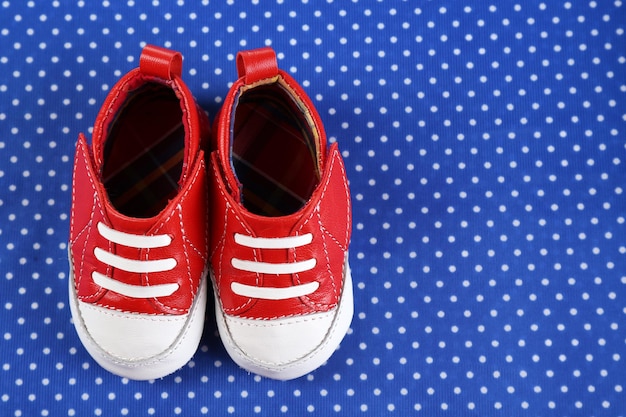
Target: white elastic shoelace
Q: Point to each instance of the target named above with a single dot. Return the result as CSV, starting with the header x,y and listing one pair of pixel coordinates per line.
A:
x,y
273,293
134,265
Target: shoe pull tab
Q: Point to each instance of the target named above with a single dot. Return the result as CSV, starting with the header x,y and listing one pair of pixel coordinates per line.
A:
x,y
257,64
160,62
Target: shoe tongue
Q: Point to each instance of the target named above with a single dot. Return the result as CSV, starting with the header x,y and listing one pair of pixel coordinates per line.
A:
x,y
137,226
252,66
272,227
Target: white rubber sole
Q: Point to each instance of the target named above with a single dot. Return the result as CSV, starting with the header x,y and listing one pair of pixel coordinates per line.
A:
x,y
305,364
174,357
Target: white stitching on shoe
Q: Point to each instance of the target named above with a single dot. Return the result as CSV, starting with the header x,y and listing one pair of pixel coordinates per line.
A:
x,y
84,249
220,248
325,232
86,159
178,211
326,255
186,251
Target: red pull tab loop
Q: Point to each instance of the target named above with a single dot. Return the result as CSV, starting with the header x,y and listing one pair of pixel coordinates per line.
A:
x,y
160,62
257,64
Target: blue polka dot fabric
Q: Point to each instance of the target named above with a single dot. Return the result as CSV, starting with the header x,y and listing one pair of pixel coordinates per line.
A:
x,y
485,147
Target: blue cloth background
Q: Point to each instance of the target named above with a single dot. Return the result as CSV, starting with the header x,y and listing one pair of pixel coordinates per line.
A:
x,y
485,145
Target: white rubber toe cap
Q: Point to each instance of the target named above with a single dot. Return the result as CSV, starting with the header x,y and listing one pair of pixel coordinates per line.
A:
x,y
129,336
280,342
290,347
139,346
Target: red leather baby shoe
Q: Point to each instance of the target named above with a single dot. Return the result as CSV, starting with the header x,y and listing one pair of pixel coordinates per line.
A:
x,y
281,225
138,232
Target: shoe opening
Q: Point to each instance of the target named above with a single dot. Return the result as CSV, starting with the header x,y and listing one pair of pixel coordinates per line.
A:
x,y
274,151
144,151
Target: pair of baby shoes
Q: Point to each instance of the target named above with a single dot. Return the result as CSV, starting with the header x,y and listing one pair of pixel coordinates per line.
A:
x,y
160,205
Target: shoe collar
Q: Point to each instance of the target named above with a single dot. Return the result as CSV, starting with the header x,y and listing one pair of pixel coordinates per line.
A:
x,y
255,68
156,65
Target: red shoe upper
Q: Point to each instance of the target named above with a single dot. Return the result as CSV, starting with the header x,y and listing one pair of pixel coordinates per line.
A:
x,y
268,267
154,264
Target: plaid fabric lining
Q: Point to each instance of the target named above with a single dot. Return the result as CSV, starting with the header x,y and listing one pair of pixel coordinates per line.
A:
x,y
274,153
144,152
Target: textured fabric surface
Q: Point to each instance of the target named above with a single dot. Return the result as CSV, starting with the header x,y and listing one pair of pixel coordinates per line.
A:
x,y
485,146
